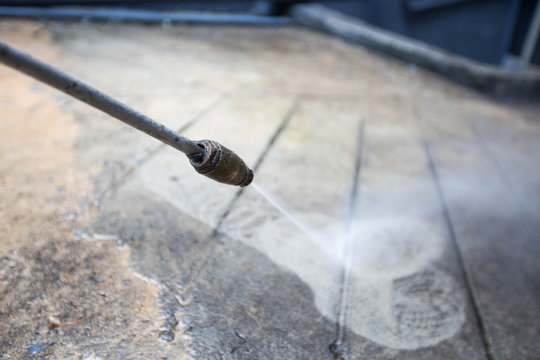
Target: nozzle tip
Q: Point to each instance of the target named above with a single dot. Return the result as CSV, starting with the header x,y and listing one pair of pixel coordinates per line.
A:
x,y
221,164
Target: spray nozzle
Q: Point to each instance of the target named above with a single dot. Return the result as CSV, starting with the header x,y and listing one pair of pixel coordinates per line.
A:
x,y
220,164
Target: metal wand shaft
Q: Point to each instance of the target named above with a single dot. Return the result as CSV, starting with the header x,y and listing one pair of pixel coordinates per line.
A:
x,y
95,98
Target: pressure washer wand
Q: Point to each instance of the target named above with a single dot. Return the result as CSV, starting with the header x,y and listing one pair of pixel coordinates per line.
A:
x,y
208,157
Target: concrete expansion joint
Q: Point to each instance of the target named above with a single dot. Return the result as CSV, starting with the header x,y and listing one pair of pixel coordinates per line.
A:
x,y
337,350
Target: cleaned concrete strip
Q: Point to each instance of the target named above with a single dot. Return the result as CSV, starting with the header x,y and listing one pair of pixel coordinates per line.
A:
x,y
195,206
246,302
406,291
308,174
497,236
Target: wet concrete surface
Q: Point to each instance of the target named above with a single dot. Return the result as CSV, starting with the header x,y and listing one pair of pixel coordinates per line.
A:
x,y
113,247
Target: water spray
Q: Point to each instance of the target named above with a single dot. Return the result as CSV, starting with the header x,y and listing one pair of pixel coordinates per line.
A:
x,y
209,158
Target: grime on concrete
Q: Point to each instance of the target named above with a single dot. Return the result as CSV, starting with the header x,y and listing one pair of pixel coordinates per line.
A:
x,y
112,247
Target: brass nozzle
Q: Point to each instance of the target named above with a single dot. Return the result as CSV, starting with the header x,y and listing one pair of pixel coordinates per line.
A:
x,y
220,164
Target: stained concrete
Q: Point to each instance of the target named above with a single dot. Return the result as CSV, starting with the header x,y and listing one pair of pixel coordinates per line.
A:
x,y
412,227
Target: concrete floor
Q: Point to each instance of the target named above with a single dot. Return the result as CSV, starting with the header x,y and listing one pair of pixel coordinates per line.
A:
x,y
415,204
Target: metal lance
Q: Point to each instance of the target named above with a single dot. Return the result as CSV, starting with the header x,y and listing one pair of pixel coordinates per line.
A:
x,y
209,158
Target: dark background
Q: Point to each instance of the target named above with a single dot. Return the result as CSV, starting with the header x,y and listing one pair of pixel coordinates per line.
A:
x,y
490,31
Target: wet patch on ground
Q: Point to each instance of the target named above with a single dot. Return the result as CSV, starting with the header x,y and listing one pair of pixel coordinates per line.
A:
x,y
238,305
109,247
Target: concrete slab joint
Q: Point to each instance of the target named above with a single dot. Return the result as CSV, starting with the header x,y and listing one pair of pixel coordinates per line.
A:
x,y
394,215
